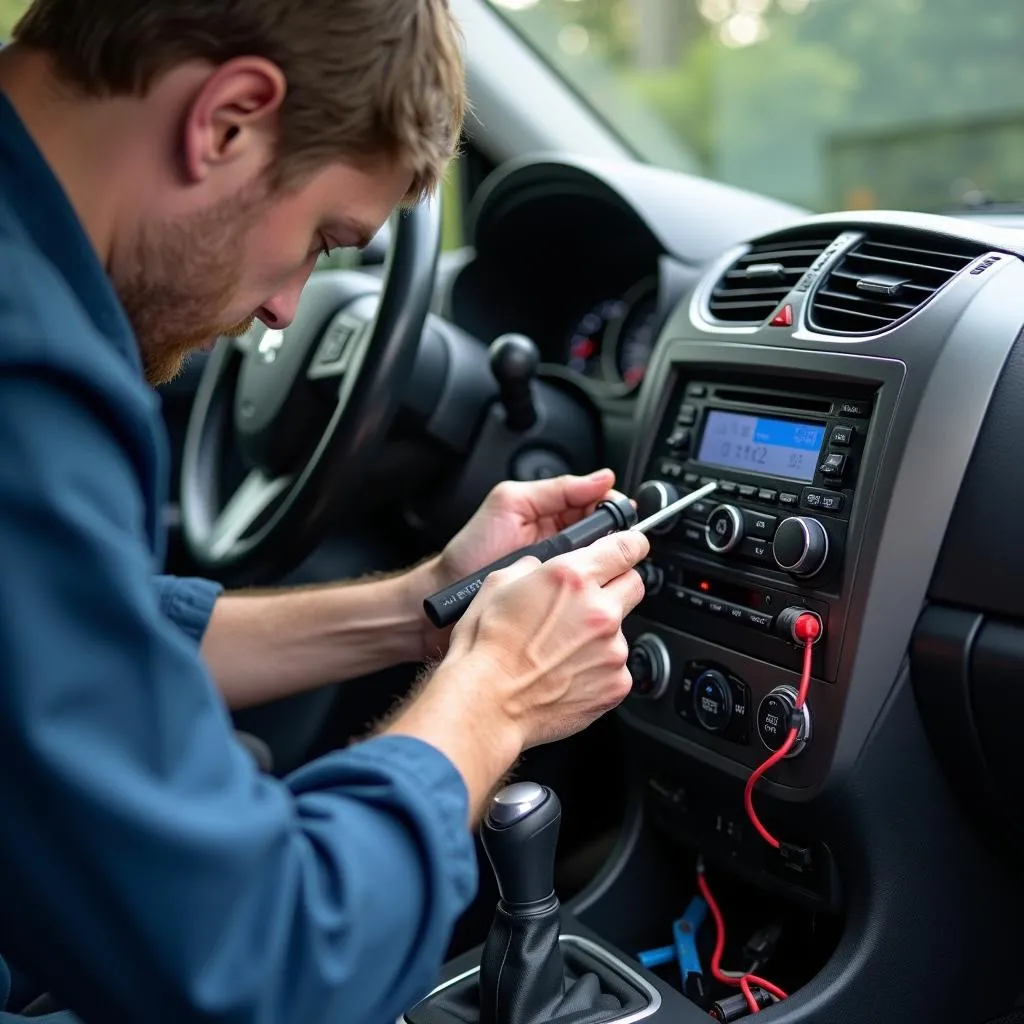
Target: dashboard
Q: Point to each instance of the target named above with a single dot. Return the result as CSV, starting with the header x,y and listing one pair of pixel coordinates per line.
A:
x,y
853,386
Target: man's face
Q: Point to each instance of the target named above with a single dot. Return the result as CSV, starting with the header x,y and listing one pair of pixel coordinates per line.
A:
x,y
214,270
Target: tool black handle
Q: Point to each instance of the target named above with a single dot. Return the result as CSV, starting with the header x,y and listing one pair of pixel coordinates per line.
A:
x,y
448,605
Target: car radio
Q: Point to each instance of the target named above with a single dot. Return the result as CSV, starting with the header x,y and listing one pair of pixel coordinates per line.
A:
x,y
734,567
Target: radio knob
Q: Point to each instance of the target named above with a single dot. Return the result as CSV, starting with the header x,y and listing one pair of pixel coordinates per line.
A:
x,y
800,546
724,529
649,665
652,496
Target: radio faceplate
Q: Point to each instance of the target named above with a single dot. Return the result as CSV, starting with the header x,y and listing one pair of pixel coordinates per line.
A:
x,y
773,535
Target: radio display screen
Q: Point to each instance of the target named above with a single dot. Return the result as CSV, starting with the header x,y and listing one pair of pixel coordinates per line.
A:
x,y
756,444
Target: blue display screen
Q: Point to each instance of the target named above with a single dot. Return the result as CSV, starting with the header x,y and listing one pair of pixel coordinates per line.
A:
x,y
759,445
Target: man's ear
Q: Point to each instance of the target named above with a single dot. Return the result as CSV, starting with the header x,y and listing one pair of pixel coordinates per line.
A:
x,y
232,119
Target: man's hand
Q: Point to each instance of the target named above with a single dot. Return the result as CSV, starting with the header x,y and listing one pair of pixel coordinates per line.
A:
x,y
512,516
538,656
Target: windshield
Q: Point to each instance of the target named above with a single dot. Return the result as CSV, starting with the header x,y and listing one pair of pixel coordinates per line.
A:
x,y
829,104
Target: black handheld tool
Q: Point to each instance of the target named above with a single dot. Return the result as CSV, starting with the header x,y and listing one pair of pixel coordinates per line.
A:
x,y
448,605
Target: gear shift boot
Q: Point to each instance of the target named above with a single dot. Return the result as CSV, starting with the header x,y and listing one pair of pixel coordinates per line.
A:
x,y
596,989
528,973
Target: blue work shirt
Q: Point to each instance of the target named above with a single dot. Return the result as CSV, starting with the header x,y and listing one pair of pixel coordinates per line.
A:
x,y
148,871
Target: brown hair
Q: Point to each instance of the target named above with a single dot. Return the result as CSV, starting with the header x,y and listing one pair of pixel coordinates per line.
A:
x,y
366,78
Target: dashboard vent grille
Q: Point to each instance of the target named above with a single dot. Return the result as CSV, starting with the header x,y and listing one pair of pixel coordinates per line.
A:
x,y
884,278
756,283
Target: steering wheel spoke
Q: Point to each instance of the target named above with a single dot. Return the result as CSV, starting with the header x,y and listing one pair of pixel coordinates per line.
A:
x,y
254,496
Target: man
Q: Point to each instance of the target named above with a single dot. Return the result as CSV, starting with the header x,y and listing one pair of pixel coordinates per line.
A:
x,y
168,170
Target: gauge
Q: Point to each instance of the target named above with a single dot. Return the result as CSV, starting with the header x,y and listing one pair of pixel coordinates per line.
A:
x,y
585,342
635,340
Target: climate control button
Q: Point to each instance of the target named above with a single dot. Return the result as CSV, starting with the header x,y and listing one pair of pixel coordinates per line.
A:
x,y
724,529
712,701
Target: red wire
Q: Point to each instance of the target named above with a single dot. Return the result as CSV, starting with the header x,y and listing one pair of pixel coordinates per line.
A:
x,y
807,629
744,983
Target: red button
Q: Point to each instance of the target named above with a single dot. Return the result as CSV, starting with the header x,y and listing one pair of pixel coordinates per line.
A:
x,y
784,317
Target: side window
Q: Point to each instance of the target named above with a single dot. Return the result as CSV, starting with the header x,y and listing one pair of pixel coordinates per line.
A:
x,y
10,12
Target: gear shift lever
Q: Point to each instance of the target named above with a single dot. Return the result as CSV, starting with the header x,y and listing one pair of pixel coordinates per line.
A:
x,y
520,835
514,362
524,977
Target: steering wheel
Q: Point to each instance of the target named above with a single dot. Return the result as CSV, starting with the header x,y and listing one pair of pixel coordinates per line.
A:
x,y
307,407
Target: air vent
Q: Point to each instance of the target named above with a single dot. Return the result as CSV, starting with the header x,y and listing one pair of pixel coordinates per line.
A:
x,y
884,278
754,285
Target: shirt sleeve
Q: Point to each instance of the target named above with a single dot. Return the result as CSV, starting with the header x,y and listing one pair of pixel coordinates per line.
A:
x,y
188,602
147,869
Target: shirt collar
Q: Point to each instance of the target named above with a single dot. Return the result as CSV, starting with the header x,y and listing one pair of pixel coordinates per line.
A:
x,y
40,203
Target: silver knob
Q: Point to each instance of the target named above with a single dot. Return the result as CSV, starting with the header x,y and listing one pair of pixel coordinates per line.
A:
x,y
652,496
800,546
724,529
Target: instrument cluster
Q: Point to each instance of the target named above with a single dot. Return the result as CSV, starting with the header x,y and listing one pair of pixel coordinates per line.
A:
x,y
611,341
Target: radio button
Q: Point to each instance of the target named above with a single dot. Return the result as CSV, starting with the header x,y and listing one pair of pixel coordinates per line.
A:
x,y
728,486
690,479
724,529
679,438
671,470
759,524
757,620
788,499
833,465
687,416
757,549
735,613
715,607
767,496
841,436
827,501
693,533
697,602
696,390
701,509
747,490
859,410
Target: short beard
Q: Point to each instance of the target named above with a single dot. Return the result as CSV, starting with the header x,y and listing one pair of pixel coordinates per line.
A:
x,y
180,275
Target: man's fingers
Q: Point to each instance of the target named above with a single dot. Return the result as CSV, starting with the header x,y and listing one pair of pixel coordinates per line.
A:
x,y
609,556
626,590
539,499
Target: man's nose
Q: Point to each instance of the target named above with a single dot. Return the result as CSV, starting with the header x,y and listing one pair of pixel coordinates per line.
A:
x,y
279,310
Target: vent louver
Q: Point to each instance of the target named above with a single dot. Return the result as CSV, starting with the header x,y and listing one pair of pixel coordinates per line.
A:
x,y
754,284
884,278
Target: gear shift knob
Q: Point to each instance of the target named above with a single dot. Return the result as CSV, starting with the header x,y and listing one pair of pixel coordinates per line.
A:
x,y
514,362
520,835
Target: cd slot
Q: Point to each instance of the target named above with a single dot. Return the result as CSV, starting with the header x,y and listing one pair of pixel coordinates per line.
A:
x,y
821,406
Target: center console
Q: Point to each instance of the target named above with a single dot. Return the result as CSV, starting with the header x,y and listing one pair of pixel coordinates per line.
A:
x,y
836,422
